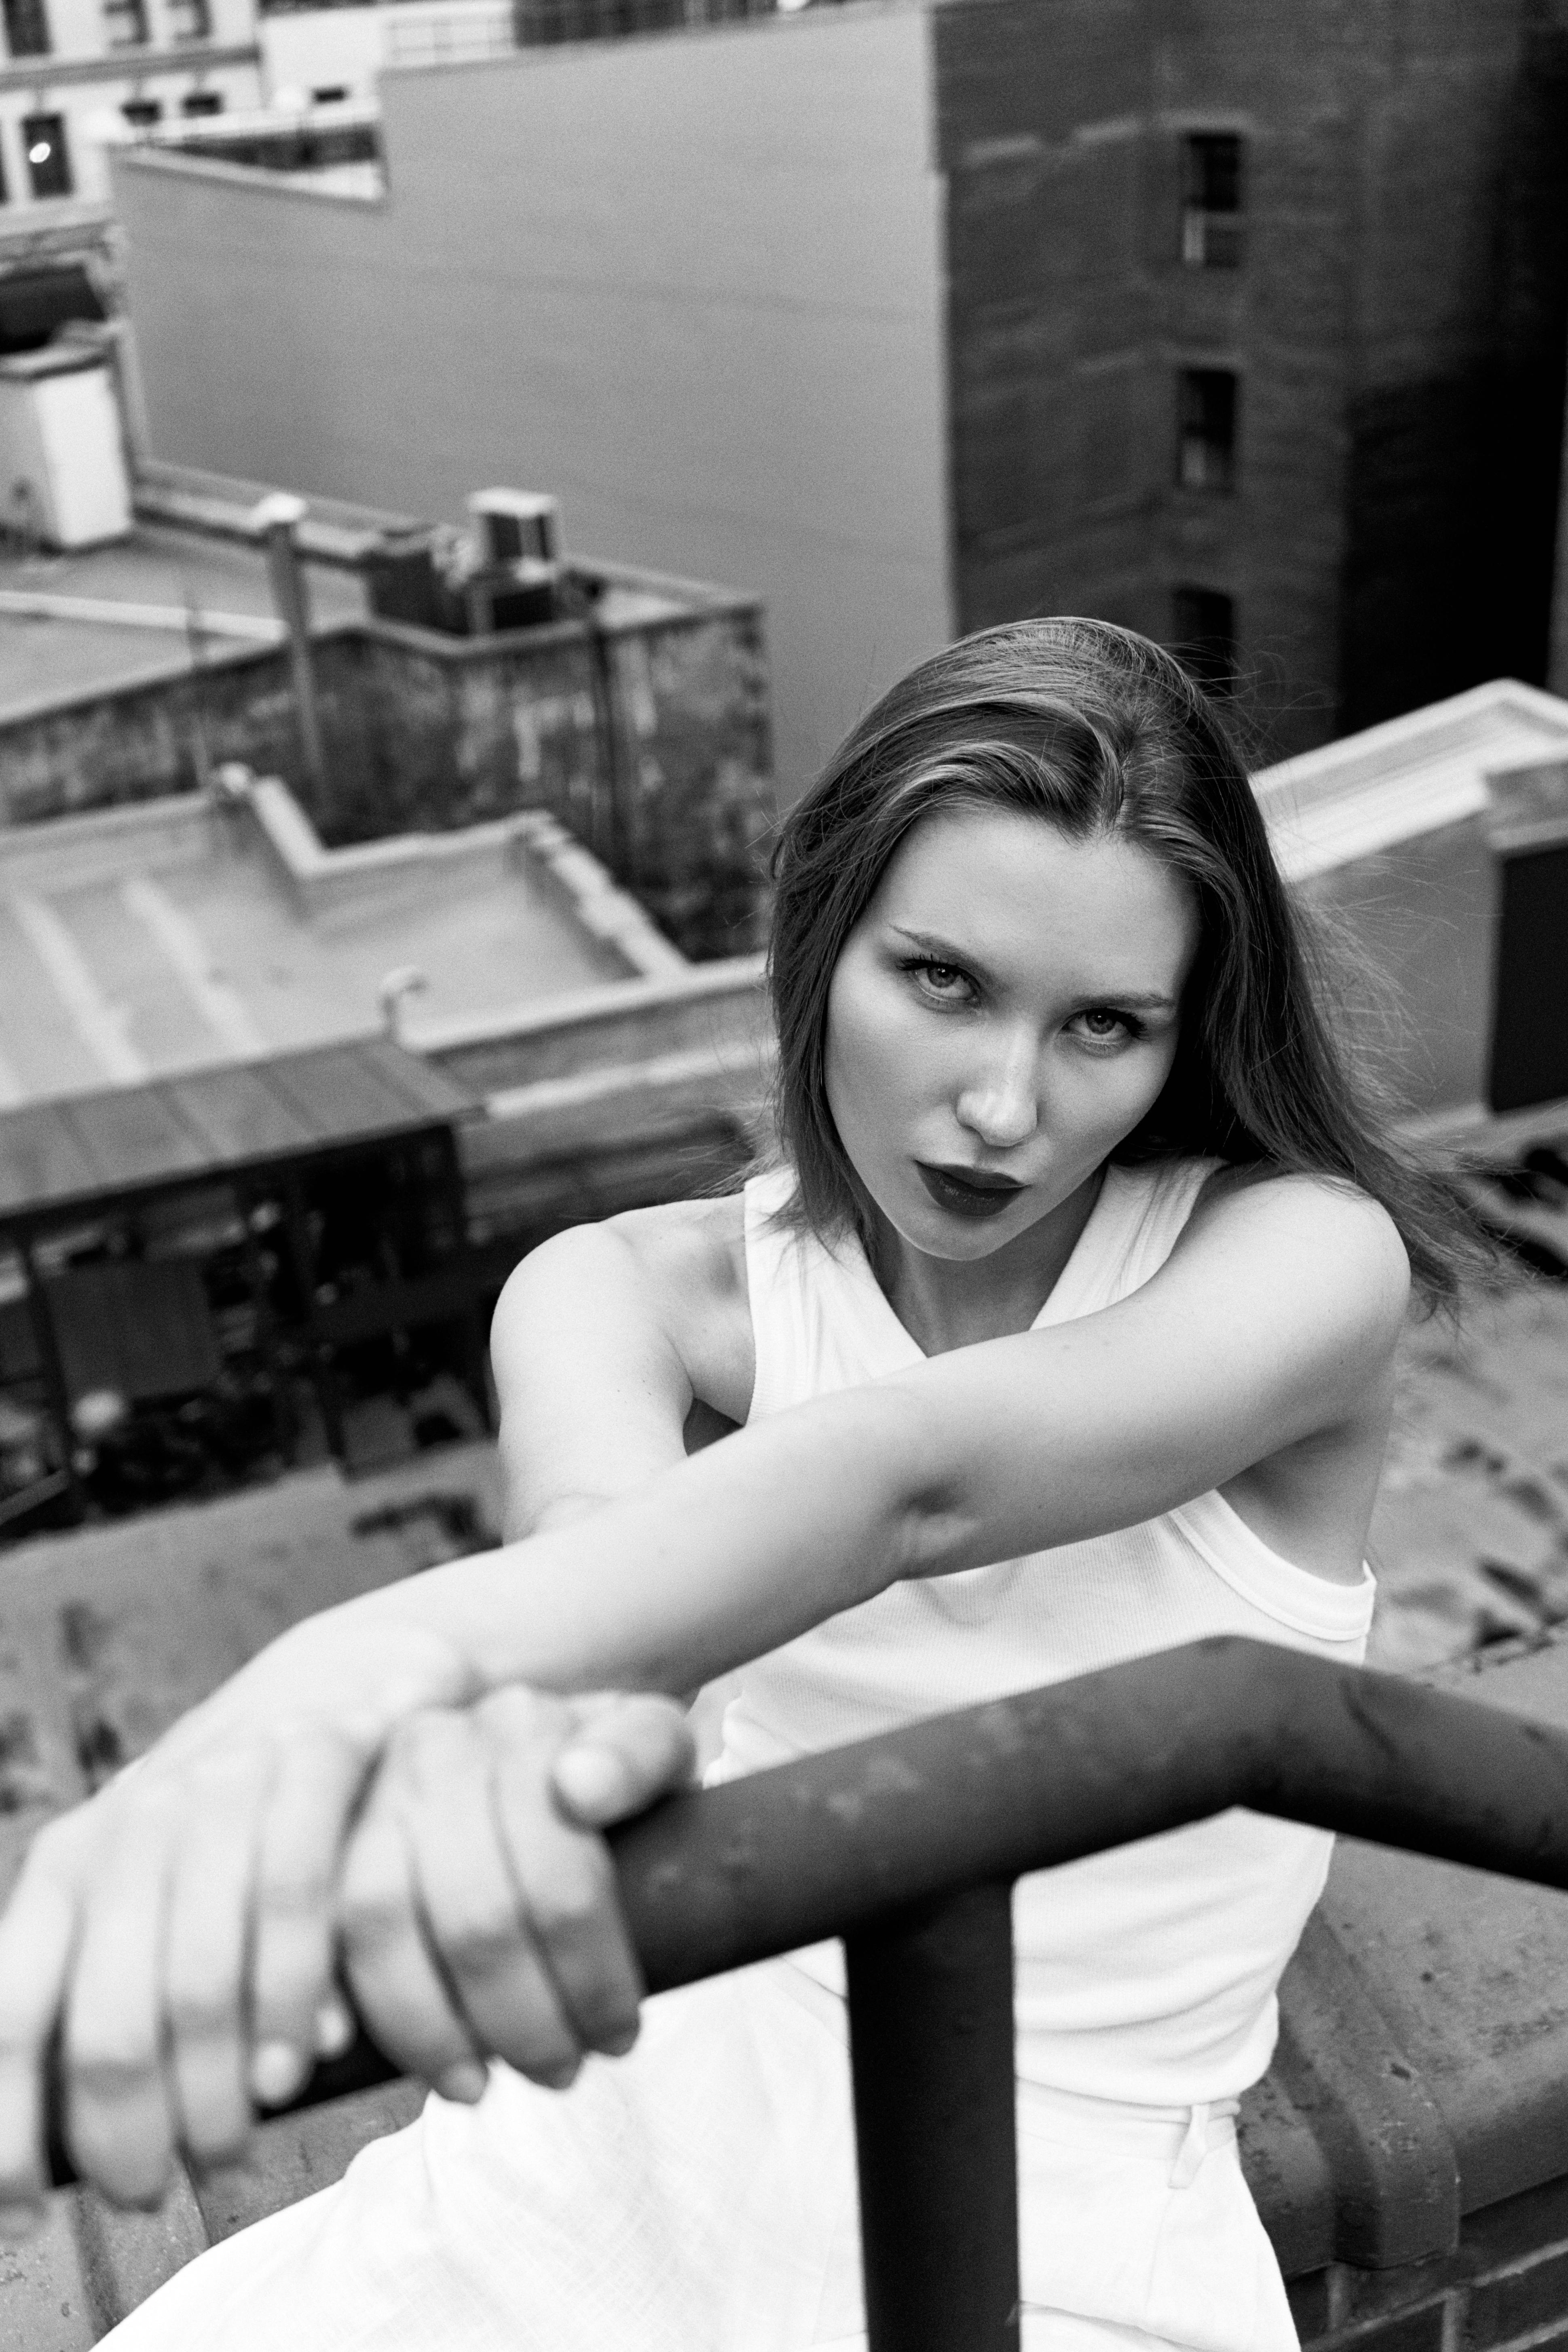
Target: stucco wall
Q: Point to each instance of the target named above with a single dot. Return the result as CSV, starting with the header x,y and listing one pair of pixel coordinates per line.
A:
x,y
690,284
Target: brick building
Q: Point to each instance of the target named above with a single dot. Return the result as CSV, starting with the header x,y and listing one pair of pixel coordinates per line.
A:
x,y
1255,334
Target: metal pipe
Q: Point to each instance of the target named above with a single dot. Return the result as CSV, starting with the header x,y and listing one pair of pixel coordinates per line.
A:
x,y
930,2041
279,516
841,1843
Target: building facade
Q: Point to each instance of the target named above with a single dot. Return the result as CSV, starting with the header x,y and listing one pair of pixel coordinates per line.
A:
x,y
1241,324
1256,335
76,75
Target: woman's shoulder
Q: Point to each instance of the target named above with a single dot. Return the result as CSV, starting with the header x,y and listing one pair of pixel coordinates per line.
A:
x,y
699,1246
690,1257
1352,1234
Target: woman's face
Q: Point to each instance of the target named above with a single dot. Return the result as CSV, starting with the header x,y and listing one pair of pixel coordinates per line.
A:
x,y
1006,1010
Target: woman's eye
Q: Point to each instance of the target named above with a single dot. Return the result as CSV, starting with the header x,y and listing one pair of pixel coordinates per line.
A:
x,y
939,979
1101,1022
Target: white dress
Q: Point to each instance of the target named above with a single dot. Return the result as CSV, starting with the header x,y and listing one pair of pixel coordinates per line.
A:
x,y
699,2196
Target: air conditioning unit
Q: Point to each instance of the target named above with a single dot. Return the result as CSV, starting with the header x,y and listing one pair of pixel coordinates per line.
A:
x,y
512,526
62,457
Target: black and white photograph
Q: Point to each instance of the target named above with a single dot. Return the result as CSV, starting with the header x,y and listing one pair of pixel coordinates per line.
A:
x,y
783,1175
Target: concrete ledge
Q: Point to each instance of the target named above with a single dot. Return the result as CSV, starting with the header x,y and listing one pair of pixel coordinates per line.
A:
x,y
324,883
598,903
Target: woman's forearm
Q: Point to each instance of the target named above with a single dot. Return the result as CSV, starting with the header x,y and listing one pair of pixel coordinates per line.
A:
x,y
715,1562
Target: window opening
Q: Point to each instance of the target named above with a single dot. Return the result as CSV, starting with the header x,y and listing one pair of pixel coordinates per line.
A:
x,y
1210,200
1205,457
331,94
202,101
190,20
125,23
141,113
49,160
26,28
1203,637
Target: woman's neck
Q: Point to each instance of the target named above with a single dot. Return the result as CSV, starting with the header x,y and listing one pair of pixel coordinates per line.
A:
x,y
946,1303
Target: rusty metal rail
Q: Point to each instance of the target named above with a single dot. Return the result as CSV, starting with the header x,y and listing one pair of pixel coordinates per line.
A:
x,y
907,1846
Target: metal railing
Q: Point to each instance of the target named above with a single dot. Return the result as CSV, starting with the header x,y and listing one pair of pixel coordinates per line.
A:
x,y
907,1846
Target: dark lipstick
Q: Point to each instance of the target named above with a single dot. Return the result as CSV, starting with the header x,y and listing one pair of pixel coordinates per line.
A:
x,y
968,1192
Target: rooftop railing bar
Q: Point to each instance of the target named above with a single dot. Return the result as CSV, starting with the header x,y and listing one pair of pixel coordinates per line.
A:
x,y
907,1846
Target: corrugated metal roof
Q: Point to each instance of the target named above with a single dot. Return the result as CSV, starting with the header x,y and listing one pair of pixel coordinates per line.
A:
x,y
92,1147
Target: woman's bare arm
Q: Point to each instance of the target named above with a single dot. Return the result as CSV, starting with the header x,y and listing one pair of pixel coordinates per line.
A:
x,y
1273,1323
607,1344
1267,1337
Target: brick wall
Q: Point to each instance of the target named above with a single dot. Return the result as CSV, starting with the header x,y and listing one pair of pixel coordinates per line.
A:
x,y
1506,2290
1396,326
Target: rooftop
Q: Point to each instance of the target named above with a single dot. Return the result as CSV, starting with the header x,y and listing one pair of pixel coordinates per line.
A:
x,y
209,1123
1409,776
179,595
139,943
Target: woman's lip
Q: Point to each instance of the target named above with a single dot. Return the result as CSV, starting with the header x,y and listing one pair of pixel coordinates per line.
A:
x,y
967,1195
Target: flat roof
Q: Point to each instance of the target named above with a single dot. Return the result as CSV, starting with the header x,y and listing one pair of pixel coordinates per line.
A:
x,y
123,1139
142,943
51,652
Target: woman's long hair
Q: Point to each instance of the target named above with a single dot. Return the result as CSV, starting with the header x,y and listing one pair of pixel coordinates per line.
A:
x,y
1100,733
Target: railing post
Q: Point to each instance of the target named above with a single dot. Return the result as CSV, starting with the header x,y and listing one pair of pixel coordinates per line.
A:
x,y
930,2034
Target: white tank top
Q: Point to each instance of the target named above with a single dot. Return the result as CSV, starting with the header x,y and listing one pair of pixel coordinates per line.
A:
x,y
1147,1974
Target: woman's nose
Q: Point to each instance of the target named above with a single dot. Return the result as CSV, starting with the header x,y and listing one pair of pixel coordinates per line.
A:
x,y
1000,1105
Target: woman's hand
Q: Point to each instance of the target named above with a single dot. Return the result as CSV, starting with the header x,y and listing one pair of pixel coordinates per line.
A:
x,y
479,1913
167,1949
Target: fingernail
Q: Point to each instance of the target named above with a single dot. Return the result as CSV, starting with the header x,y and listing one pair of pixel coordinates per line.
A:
x,y
334,2030
619,2043
564,2077
18,2222
464,2081
589,1778
277,2071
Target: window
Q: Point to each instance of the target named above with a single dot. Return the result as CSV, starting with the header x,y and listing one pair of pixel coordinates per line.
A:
x,y
333,93
1205,451
125,23
49,161
141,113
190,20
26,28
202,101
1203,637
1210,200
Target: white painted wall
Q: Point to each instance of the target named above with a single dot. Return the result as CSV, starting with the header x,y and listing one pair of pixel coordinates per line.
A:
x,y
692,284
317,48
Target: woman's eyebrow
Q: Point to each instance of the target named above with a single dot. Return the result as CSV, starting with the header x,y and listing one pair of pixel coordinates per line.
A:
x,y
943,951
1137,1000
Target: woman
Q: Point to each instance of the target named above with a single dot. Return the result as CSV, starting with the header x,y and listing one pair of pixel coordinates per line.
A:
x,y
1063,1332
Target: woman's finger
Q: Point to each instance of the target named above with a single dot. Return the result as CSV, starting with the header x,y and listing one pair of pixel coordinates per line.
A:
x,y
395,1983
206,1953
563,1876
469,1902
119,2118
37,1935
623,1752
317,1777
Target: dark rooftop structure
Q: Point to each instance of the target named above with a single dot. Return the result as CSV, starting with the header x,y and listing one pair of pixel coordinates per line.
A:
x,y
91,1148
